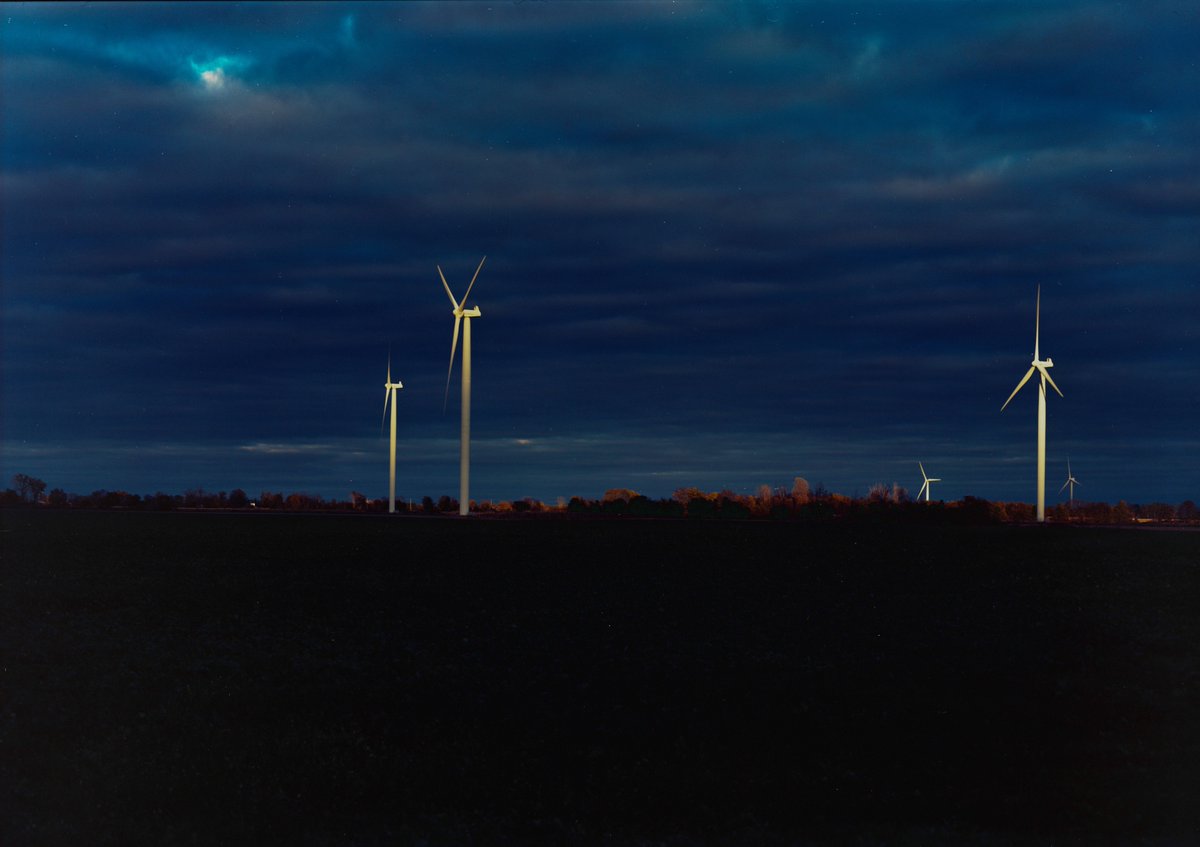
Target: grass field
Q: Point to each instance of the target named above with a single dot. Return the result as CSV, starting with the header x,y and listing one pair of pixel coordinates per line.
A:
x,y
356,680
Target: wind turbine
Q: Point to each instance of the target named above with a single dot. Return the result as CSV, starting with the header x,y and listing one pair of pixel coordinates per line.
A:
x,y
389,393
1071,481
926,487
462,316
1043,367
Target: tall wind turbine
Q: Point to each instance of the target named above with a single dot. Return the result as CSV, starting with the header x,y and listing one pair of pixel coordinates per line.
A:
x,y
926,487
462,316
1043,367
389,393
1071,481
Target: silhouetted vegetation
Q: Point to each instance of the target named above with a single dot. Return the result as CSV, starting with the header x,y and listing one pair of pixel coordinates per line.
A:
x,y
800,503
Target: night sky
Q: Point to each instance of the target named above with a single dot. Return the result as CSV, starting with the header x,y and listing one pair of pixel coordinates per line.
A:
x,y
728,244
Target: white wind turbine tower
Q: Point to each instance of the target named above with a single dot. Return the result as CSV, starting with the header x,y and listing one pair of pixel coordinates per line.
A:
x,y
462,316
1071,481
926,488
389,393
1042,366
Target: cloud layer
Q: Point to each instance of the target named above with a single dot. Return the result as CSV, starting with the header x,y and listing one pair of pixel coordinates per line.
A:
x,y
727,244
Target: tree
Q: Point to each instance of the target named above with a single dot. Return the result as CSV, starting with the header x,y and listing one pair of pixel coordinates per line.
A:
x,y
302,501
760,503
29,487
800,490
732,505
641,505
1160,512
879,493
20,482
1187,511
1020,512
687,495
1121,512
163,502
532,504
238,499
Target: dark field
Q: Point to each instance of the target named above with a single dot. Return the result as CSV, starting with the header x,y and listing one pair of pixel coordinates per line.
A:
x,y
352,680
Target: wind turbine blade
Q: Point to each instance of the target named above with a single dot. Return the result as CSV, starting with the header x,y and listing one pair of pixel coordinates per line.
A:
x,y
446,285
1046,374
389,377
922,467
386,392
1064,488
450,371
1024,380
922,491
1037,323
472,285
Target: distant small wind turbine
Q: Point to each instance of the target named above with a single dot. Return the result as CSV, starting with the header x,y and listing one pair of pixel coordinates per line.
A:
x,y
926,487
389,393
1071,481
462,315
1042,366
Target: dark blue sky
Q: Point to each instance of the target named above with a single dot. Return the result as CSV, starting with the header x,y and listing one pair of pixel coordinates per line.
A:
x,y
728,244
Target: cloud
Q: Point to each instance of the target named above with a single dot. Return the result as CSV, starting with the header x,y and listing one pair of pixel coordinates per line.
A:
x,y
213,78
751,220
278,449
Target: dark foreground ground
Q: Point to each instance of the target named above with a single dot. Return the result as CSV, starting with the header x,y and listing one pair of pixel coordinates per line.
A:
x,y
347,680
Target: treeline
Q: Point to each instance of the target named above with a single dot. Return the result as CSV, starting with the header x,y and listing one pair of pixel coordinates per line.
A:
x,y
882,502
30,491
800,503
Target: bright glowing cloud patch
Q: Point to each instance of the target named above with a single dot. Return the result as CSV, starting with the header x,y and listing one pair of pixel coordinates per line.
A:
x,y
213,79
216,73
